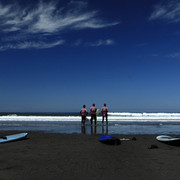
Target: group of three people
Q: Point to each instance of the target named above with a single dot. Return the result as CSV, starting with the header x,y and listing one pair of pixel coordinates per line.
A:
x,y
93,114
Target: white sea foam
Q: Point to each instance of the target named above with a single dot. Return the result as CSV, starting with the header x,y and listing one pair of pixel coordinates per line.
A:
x,y
113,116
144,114
40,118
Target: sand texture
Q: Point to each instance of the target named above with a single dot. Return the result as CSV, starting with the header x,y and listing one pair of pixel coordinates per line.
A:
x,y
75,156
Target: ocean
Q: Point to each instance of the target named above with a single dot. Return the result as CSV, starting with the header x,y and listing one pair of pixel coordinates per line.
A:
x,y
70,123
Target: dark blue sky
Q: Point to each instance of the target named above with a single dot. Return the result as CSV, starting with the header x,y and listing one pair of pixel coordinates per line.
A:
x,y
57,56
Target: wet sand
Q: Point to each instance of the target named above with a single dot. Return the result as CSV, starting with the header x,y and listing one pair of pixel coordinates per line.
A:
x,y
77,156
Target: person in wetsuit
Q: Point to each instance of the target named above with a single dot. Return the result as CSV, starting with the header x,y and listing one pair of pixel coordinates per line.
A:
x,y
104,111
93,114
83,113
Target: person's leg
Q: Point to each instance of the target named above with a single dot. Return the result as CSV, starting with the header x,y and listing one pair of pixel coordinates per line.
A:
x,y
81,120
91,120
84,118
106,119
95,119
102,119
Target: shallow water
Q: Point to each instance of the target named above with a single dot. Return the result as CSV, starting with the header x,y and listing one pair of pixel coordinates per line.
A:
x,y
70,123
115,127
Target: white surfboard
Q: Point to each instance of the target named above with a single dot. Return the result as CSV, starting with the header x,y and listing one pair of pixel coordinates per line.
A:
x,y
13,137
169,139
166,138
97,112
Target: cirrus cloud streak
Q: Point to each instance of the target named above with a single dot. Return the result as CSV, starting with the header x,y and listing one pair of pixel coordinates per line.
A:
x,y
33,25
169,11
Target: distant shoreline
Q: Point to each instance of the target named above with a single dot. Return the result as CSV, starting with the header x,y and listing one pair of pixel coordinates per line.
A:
x,y
39,113
73,113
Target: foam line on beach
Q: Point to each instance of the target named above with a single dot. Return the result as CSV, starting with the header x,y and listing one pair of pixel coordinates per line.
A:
x,y
144,114
99,118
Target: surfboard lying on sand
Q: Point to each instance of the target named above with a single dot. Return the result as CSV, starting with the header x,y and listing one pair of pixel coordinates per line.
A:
x,y
169,140
110,140
13,137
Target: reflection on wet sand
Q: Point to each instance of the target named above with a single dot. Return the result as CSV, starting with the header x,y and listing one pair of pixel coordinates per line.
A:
x,y
100,129
83,129
105,130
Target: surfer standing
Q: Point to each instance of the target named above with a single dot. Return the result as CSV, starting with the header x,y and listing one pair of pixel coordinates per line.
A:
x,y
93,114
83,113
104,111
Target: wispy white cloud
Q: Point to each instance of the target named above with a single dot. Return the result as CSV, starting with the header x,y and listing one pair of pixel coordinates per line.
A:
x,y
94,24
77,42
106,42
30,45
174,55
169,11
45,19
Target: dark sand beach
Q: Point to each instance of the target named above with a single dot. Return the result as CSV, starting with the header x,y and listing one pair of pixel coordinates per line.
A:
x,y
75,156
